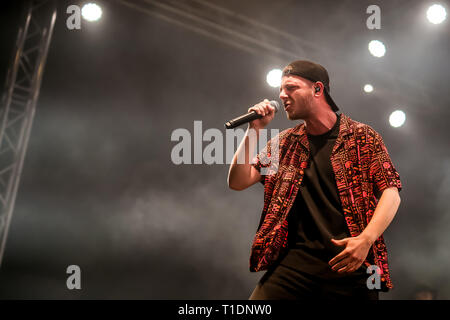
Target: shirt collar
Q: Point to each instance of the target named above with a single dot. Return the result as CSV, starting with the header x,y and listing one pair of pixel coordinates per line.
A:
x,y
344,127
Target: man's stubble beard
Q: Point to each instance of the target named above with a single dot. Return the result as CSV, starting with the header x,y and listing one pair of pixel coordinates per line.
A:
x,y
302,109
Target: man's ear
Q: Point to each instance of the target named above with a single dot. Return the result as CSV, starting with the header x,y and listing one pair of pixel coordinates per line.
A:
x,y
318,86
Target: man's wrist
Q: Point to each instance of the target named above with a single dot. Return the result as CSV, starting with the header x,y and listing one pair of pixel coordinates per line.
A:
x,y
368,237
256,129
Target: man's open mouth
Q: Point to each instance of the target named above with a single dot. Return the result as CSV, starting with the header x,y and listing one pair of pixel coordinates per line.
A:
x,y
286,105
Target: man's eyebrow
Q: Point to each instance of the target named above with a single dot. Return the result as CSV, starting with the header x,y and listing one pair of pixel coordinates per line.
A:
x,y
289,85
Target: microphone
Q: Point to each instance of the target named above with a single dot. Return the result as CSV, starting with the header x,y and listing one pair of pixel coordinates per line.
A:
x,y
249,117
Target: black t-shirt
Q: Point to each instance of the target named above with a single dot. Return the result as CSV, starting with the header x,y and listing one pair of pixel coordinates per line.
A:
x,y
316,216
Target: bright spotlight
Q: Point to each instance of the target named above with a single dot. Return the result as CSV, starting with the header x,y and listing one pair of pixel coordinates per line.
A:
x,y
91,12
377,48
436,14
397,118
274,78
368,88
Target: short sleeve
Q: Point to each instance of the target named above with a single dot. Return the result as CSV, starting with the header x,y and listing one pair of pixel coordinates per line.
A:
x,y
266,161
256,163
382,171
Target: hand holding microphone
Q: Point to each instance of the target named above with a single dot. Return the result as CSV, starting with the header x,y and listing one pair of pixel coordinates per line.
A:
x,y
259,115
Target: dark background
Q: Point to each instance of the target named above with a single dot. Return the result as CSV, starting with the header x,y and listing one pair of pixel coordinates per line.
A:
x,y
99,189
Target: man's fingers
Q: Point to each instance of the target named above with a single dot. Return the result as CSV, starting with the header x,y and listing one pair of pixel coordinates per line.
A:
x,y
263,108
340,264
348,264
257,108
350,268
344,269
260,109
267,106
337,258
339,242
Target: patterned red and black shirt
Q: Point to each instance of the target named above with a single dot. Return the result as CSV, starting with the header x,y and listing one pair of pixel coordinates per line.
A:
x,y
362,169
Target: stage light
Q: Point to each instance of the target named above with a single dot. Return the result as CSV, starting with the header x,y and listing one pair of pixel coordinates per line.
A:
x,y
436,14
397,118
91,12
377,48
368,88
274,78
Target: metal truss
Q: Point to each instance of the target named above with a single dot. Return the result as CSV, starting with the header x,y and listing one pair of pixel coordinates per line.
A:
x,y
18,103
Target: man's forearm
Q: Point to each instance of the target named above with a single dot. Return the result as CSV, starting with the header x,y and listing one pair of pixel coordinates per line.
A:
x,y
241,163
384,213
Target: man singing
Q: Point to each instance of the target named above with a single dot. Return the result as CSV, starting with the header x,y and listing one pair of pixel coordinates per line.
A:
x,y
326,207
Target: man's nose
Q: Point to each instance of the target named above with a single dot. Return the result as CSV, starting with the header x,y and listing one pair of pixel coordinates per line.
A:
x,y
283,94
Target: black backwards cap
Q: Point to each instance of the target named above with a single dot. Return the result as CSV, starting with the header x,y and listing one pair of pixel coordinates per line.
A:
x,y
313,72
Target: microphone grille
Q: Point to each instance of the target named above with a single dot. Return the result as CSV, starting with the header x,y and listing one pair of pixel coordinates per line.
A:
x,y
275,104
